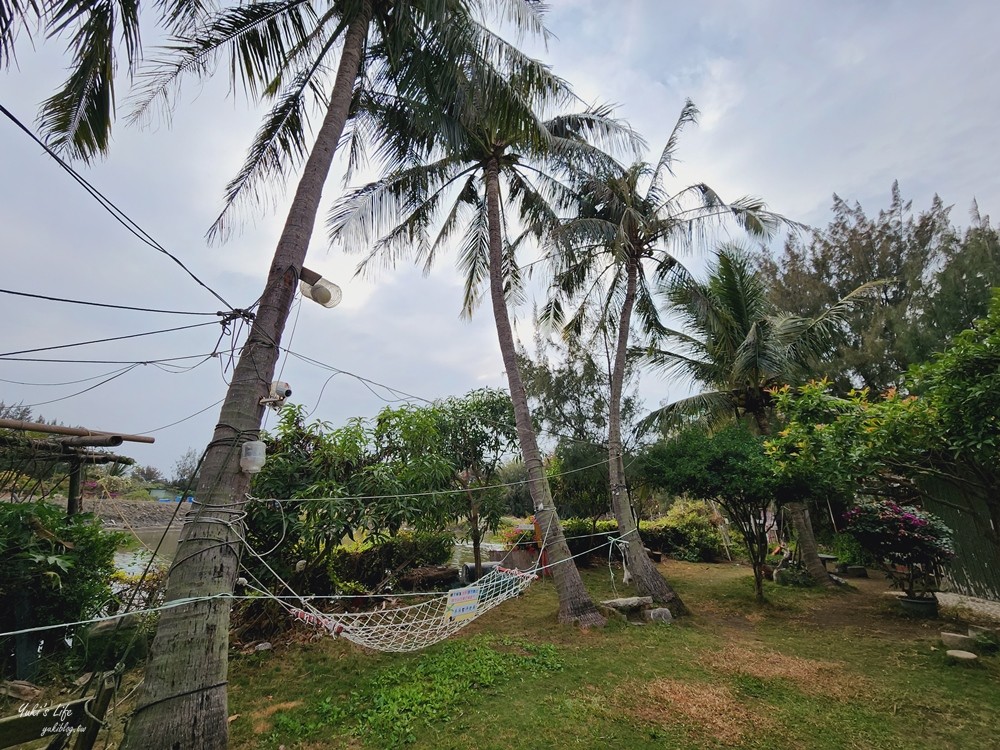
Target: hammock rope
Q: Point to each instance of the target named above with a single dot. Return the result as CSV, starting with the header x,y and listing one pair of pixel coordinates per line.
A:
x,y
410,628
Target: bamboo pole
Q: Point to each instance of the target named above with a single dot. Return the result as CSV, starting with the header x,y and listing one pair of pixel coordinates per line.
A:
x,y
51,429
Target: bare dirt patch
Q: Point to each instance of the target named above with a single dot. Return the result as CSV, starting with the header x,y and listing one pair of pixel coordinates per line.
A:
x,y
707,710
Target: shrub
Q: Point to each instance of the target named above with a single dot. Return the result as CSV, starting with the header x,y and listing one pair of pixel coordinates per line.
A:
x,y
849,551
57,568
586,537
688,531
369,564
910,545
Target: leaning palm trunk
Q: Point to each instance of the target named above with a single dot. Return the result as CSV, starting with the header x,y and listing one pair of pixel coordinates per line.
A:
x,y
648,579
575,604
799,517
183,700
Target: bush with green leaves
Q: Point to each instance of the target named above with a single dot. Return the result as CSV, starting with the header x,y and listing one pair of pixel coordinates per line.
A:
x,y
689,530
369,564
56,568
909,544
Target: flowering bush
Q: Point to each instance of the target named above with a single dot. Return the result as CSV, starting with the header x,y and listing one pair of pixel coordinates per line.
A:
x,y
910,545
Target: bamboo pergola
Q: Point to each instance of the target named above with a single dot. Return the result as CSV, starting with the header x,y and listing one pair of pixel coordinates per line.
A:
x,y
73,446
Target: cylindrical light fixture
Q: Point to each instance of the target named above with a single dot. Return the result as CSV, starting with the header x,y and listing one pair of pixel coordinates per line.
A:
x,y
318,289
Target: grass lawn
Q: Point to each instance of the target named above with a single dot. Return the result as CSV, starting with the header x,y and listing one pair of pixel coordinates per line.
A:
x,y
811,669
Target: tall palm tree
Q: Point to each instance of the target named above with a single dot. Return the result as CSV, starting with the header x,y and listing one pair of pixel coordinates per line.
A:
x,y
628,231
493,165
388,51
733,341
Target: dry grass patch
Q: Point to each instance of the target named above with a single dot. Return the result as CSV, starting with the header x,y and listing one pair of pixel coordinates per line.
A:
x,y
811,676
706,710
261,716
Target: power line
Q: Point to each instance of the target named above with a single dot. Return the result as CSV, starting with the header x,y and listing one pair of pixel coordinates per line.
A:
x,y
185,419
403,395
120,216
106,304
161,360
68,382
112,338
118,374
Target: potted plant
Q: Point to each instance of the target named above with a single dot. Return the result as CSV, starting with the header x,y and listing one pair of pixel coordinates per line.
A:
x,y
910,545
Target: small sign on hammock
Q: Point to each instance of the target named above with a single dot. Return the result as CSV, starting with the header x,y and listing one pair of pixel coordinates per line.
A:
x,y
463,604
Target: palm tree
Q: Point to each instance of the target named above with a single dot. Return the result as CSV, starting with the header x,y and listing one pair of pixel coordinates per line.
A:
x,y
77,119
493,162
627,227
388,50
735,342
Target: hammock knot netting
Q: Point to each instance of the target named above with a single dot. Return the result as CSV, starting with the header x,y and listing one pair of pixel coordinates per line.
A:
x,y
420,625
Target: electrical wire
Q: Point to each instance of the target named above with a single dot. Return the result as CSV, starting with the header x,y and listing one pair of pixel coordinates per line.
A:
x,y
185,419
161,360
112,338
107,304
110,207
85,390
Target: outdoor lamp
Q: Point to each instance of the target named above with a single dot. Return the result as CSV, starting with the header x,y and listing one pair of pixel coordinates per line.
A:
x,y
318,289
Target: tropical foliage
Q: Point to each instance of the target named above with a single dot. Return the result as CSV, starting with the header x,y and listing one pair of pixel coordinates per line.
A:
x,y
730,468
910,545
938,283
57,568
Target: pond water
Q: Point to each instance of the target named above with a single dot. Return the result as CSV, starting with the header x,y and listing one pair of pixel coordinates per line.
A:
x,y
134,559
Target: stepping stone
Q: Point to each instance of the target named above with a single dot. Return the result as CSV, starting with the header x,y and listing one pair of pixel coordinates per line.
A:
x,y
961,657
959,641
630,603
660,614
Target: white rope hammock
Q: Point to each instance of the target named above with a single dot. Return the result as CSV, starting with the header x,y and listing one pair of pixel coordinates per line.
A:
x,y
420,625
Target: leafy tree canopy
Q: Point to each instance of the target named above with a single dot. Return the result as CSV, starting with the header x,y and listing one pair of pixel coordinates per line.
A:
x,y
939,283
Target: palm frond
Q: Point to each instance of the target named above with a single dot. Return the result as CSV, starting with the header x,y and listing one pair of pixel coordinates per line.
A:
x,y
474,259
16,17
279,147
261,39
708,408
689,114
77,118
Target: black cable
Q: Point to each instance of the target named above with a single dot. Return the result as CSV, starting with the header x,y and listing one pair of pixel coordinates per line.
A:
x,y
113,338
120,216
85,390
109,361
105,304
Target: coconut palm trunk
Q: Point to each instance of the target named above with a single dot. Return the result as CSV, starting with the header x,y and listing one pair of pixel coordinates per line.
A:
x,y
183,700
575,604
799,517
648,579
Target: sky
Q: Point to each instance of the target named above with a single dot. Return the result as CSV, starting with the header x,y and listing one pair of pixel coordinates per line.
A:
x,y
798,101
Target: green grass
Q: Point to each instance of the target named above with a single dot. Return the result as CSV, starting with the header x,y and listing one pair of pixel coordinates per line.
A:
x,y
810,669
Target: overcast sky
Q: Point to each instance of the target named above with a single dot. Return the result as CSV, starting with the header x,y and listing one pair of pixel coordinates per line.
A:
x,y
799,100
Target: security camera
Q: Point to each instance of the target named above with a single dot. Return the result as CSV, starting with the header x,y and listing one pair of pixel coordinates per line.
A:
x,y
277,395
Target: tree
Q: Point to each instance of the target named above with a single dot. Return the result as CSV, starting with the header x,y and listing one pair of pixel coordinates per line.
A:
x,y
568,386
736,342
729,467
149,474
187,470
938,283
493,160
407,50
627,225
477,434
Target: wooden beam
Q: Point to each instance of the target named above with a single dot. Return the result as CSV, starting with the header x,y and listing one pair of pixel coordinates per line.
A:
x,y
51,429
